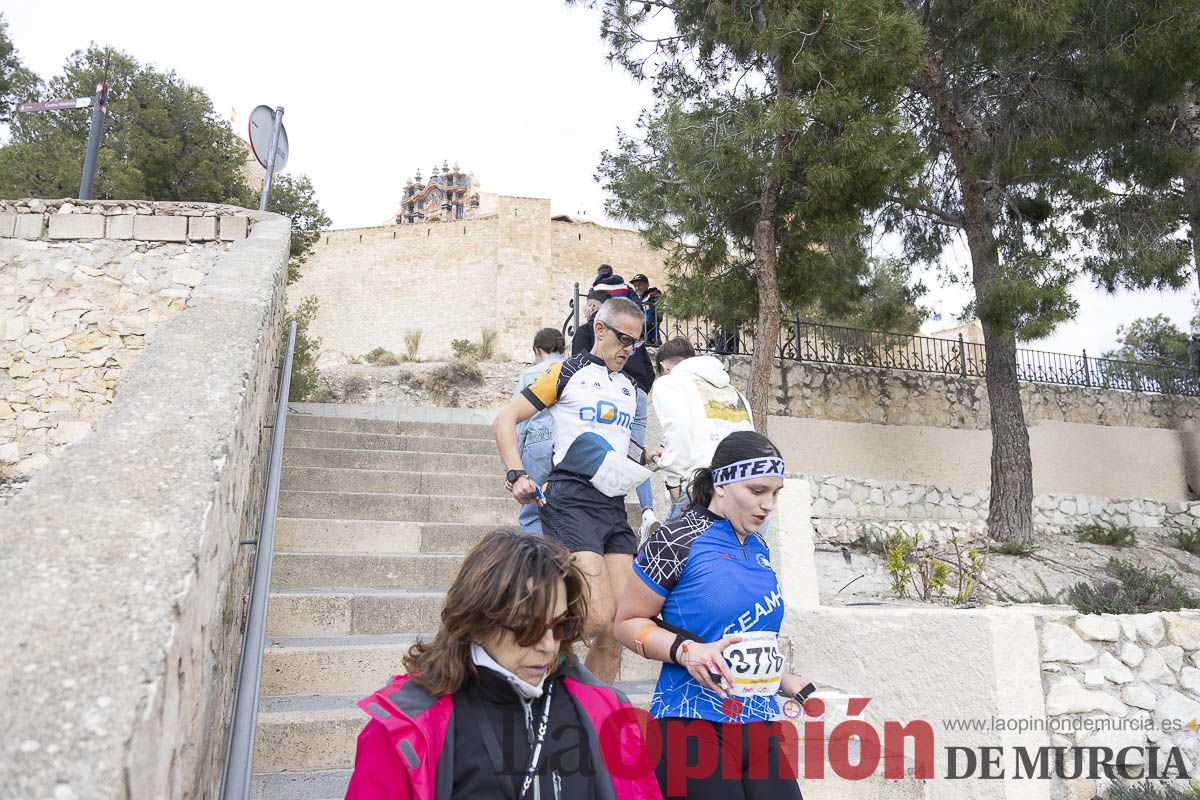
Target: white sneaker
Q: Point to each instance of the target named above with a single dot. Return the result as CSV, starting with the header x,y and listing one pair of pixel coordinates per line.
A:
x,y
650,524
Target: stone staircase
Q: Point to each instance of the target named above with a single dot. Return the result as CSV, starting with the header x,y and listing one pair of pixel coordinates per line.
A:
x,y
377,507
375,516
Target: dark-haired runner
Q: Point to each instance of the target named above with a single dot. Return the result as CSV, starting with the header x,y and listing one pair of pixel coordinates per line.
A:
x,y
710,573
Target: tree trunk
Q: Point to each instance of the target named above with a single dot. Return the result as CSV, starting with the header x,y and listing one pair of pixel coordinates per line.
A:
x,y
1010,513
766,330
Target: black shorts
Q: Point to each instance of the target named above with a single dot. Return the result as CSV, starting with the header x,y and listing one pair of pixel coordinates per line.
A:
x,y
582,518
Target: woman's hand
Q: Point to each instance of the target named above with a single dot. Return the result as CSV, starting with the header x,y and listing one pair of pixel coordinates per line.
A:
x,y
701,659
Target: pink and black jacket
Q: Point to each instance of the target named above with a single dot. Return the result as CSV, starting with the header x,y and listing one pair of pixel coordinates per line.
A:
x,y
406,751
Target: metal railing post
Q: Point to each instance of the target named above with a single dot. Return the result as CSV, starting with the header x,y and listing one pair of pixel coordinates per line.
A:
x,y
1087,371
962,356
239,755
575,305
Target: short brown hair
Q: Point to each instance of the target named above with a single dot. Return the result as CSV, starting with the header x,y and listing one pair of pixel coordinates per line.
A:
x,y
507,582
677,348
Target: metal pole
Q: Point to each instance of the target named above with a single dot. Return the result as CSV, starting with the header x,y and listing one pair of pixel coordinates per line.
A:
x,y
962,356
266,192
575,305
239,756
95,133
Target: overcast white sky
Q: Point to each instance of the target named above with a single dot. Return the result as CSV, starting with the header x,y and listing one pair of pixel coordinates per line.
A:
x,y
518,91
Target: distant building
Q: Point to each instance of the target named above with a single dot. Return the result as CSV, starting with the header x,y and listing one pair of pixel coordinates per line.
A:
x,y
451,194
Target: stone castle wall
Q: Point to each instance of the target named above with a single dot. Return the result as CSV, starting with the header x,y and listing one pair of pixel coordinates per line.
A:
x,y
84,286
513,272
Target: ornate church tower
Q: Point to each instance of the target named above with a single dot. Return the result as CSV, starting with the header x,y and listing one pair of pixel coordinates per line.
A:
x,y
449,195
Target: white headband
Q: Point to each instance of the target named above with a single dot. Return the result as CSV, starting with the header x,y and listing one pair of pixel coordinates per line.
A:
x,y
748,469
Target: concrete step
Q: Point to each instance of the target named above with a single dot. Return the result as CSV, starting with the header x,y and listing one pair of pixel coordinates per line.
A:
x,y
395,427
331,785
315,570
328,784
412,460
412,507
324,479
399,507
318,732
307,612
298,534
349,664
385,441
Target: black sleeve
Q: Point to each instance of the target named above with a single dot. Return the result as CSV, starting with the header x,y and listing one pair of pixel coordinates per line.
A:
x,y
584,338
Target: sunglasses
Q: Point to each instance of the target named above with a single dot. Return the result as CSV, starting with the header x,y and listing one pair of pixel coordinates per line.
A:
x,y
624,338
564,627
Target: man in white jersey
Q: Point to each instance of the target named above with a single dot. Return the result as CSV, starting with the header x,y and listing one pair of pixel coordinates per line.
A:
x,y
592,405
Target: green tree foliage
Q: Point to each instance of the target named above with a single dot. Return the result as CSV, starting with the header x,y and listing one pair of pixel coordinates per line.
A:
x,y
162,139
304,357
16,82
295,198
1155,339
771,137
1017,106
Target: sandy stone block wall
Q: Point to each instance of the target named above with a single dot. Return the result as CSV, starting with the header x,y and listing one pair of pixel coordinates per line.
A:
x,y
121,558
79,306
376,284
579,248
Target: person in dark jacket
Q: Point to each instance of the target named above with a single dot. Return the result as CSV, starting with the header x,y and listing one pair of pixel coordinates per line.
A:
x,y
649,296
497,705
640,370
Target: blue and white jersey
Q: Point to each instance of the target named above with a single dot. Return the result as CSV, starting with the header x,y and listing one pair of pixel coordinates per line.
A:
x,y
712,585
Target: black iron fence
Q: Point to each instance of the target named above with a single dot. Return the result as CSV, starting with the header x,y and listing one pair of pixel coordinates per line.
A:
x,y
834,344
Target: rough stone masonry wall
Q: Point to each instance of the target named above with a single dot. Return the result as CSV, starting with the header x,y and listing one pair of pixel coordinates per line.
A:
x,y
842,506
904,397
1123,681
83,287
120,560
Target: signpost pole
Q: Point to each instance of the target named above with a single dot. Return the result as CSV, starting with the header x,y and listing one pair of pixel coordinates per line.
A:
x,y
95,133
266,192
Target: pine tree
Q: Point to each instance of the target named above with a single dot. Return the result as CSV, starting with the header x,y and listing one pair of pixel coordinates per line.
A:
x,y
1017,105
771,136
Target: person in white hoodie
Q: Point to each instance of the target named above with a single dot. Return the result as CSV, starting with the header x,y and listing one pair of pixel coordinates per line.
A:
x,y
697,406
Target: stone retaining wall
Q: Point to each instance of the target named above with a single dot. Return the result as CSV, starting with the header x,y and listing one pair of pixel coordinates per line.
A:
x,y
1130,681
841,506
120,560
83,287
903,397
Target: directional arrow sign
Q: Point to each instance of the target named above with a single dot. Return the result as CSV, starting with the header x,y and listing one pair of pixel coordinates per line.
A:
x,y
55,105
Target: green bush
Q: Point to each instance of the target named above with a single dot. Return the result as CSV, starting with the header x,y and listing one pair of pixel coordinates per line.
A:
x,y
464,349
871,540
412,343
1014,548
304,357
1149,791
1106,534
1136,590
1188,540
487,344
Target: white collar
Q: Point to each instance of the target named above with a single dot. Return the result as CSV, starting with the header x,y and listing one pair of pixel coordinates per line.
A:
x,y
524,688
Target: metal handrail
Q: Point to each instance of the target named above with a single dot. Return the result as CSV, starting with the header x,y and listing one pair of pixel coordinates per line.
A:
x,y
239,756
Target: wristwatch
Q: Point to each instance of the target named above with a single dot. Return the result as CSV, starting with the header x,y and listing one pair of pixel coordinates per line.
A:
x,y
513,474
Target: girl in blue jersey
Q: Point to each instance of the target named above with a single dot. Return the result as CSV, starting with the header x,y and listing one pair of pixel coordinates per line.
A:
x,y
709,575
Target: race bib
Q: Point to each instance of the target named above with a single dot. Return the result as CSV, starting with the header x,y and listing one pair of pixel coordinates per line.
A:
x,y
756,664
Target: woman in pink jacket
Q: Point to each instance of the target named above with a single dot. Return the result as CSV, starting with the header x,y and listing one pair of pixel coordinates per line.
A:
x,y
497,705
